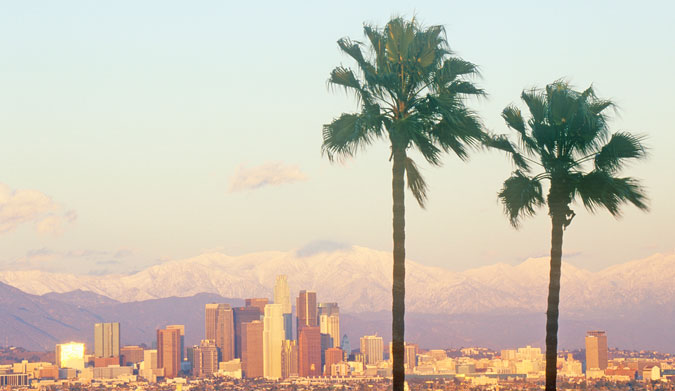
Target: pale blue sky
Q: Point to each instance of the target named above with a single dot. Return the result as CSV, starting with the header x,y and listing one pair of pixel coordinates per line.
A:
x,y
135,115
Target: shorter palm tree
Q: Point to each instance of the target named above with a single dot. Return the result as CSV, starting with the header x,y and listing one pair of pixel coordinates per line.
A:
x,y
568,137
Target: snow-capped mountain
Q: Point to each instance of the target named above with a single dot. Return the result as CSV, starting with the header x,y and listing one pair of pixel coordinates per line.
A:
x,y
360,280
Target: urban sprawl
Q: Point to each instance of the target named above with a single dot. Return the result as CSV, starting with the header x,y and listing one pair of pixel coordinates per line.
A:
x,y
254,347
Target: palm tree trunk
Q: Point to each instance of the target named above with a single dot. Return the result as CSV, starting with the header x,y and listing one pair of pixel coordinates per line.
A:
x,y
557,222
398,290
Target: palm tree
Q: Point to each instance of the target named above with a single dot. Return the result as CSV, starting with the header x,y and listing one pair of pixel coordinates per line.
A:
x,y
411,91
568,137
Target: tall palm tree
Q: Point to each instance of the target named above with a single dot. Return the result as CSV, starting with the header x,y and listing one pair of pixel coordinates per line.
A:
x,y
411,91
568,137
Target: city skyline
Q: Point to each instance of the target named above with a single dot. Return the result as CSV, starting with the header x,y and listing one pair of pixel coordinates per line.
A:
x,y
97,176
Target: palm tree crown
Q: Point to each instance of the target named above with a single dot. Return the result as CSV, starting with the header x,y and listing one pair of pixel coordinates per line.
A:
x,y
568,137
409,89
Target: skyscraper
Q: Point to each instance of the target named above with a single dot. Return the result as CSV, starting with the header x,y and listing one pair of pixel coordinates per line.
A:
x,y
282,296
596,350
372,348
273,336
181,329
242,315
345,346
107,339
289,358
252,349
306,310
258,302
309,351
205,358
329,321
168,351
219,327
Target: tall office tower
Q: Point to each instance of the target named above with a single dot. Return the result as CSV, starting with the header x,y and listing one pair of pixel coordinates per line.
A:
x,y
107,339
259,303
181,328
596,350
305,307
242,315
344,345
168,351
333,356
70,355
372,348
252,349
289,358
329,321
273,336
411,355
282,296
309,351
219,327
205,358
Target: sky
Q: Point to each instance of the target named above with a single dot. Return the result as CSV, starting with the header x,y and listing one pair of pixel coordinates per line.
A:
x,y
132,133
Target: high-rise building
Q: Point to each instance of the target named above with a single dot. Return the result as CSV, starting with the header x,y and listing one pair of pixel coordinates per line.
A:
x,y
596,350
131,355
252,349
258,302
333,356
107,339
273,336
205,358
289,358
411,355
168,351
70,355
282,296
242,315
309,351
345,346
219,327
181,329
329,321
306,309
372,348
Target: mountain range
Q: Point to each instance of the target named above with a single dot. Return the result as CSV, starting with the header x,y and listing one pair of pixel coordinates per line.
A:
x,y
499,306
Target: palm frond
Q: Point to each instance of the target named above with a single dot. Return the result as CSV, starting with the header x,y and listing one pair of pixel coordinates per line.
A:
x,y
416,182
622,145
343,137
520,196
599,189
502,143
514,120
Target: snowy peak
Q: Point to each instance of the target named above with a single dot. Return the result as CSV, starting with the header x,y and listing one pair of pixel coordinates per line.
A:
x,y
360,280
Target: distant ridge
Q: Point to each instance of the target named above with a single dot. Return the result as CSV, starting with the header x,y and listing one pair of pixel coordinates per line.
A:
x,y
360,280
